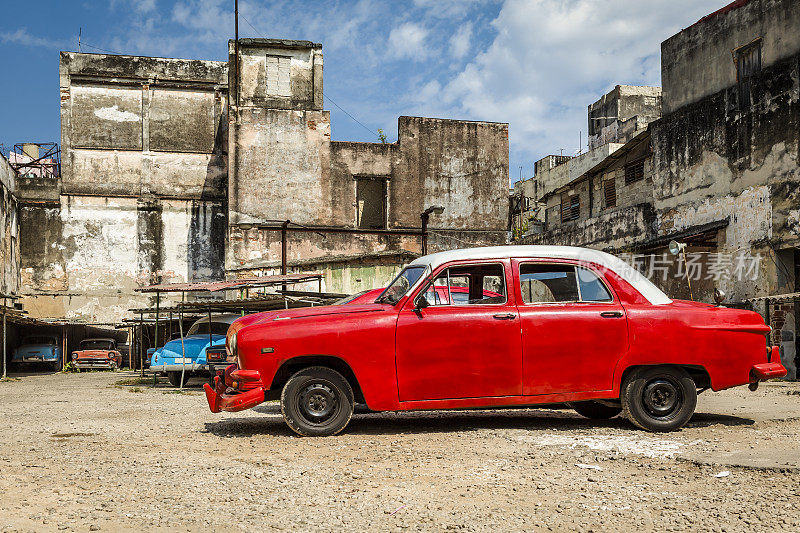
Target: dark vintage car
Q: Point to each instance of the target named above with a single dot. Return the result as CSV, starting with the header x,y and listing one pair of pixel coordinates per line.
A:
x,y
38,350
569,325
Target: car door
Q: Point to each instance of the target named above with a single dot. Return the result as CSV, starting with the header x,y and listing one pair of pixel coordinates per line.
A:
x,y
574,330
457,347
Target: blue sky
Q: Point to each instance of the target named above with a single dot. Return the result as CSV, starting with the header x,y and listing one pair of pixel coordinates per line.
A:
x,y
536,64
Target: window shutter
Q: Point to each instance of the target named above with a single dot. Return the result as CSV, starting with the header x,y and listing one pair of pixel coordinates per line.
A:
x,y
610,190
634,171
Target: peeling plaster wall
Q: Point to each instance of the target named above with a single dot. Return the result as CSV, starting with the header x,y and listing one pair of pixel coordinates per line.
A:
x,y
716,161
9,230
698,62
142,197
97,251
282,166
611,229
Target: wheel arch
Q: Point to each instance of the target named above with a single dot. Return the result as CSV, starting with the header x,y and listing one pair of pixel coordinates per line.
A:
x,y
698,373
295,364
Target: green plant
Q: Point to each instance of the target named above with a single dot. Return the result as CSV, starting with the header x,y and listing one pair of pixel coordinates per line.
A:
x,y
70,367
382,136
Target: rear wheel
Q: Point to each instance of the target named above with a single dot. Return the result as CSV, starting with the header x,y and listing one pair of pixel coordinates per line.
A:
x,y
175,378
317,402
595,410
659,398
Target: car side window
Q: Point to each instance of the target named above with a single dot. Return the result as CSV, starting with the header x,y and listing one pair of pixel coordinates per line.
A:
x,y
591,288
548,283
468,285
436,293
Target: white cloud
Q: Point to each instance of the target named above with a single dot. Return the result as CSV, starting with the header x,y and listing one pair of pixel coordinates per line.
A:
x,y
145,6
23,37
551,58
408,41
461,40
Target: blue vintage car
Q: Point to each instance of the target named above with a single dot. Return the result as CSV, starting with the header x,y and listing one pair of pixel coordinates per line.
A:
x,y
169,359
38,350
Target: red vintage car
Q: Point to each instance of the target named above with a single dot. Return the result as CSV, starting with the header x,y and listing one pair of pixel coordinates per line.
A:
x,y
97,353
559,324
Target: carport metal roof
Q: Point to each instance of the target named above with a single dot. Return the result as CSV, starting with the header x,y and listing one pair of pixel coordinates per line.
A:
x,y
244,283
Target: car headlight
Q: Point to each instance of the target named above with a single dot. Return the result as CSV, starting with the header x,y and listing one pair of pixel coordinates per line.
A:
x,y
233,348
74,355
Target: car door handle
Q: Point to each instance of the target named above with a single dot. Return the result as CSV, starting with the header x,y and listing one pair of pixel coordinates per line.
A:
x,y
611,314
504,316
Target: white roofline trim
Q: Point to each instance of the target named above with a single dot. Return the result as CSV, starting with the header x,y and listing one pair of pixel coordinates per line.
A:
x,y
646,288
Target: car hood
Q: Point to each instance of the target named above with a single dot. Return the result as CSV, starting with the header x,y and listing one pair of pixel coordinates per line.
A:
x,y
323,310
193,346
36,347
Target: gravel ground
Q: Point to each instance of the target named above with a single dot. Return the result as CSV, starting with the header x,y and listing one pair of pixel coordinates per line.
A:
x,y
82,452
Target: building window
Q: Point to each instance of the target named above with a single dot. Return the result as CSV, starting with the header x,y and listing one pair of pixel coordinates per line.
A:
x,y
610,192
634,171
279,75
748,65
371,203
570,208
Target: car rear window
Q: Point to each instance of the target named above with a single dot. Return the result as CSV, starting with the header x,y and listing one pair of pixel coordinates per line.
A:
x,y
548,283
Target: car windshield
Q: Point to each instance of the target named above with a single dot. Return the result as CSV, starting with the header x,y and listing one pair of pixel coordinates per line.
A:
x,y
39,340
97,344
399,287
200,328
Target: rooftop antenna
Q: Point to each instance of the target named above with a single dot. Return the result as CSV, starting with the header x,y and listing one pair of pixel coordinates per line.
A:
x,y
79,38
520,173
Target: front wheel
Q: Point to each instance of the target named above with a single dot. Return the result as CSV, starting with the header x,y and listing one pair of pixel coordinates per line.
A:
x,y
659,398
317,402
595,410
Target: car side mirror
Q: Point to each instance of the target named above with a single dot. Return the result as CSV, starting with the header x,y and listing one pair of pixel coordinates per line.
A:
x,y
421,303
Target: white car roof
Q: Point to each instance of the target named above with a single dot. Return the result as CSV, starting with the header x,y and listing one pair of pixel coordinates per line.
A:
x,y
653,294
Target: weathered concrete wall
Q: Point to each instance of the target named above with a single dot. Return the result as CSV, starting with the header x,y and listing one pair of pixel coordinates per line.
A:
x,y
89,254
277,74
134,126
609,230
460,165
619,114
142,196
573,169
9,229
281,168
716,161
290,170
697,62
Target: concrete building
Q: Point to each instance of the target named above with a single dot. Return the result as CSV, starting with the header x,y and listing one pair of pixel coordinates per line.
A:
x,y
718,171
179,170
562,189
9,229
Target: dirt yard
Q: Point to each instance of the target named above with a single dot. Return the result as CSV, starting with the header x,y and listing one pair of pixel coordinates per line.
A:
x,y
82,452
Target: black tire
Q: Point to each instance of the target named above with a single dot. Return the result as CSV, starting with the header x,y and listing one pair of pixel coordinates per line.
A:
x,y
175,378
659,398
595,410
56,366
317,402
